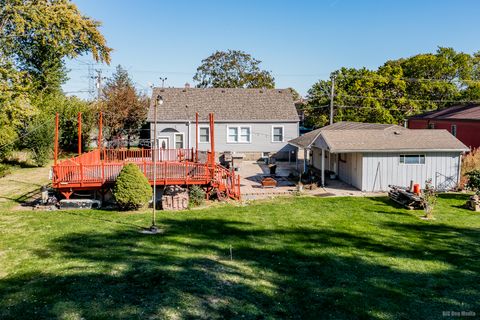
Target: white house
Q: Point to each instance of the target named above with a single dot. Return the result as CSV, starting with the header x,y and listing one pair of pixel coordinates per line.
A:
x,y
249,122
371,157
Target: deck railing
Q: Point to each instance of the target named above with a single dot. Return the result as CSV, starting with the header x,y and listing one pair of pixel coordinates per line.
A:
x,y
167,172
174,166
139,155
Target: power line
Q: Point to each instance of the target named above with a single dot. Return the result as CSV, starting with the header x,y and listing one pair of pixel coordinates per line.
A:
x,y
24,135
31,131
410,79
338,76
407,99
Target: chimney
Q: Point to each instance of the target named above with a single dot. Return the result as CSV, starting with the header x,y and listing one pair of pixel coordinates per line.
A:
x,y
187,85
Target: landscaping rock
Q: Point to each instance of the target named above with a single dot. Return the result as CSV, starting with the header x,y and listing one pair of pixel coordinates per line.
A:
x,y
474,203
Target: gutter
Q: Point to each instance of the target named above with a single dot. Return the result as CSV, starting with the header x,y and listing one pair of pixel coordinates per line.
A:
x,y
398,150
227,121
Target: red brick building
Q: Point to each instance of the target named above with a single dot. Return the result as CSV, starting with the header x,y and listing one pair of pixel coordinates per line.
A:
x,y
462,121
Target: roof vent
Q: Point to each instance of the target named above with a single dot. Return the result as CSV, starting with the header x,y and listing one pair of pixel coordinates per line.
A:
x,y
187,85
261,91
223,90
397,133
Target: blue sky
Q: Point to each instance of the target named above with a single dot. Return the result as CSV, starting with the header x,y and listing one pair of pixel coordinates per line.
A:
x,y
300,42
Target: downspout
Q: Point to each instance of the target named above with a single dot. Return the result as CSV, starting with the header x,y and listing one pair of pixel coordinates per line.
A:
x,y
189,134
459,171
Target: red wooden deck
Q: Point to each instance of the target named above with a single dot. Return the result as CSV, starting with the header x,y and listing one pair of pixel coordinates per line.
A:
x,y
99,169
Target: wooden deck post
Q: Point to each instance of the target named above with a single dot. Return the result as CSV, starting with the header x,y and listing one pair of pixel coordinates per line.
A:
x,y
55,148
196,137
100,130
81,173
212,138
79,124
165,172
103,172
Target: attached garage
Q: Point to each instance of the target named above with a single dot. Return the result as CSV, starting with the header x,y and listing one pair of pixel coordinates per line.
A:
x,y
371,157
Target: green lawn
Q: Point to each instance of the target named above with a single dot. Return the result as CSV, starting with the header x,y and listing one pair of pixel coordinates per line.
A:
x,y
300,258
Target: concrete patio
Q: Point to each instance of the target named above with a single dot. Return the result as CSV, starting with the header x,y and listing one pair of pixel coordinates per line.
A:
x,y
253,172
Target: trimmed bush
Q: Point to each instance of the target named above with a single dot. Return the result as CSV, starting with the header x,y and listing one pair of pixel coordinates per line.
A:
x,y
474,181
132,190
197,196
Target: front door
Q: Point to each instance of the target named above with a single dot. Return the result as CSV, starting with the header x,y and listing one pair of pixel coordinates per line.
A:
x,y
163,143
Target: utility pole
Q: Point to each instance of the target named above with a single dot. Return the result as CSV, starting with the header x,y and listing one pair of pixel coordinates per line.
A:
x,y
79,125
332,95
98,78
163,81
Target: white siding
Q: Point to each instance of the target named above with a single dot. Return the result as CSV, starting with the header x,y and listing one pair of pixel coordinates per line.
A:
x,y
317,159
350,169
261,136
383,169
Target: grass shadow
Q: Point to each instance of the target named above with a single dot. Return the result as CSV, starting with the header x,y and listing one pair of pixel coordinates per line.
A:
x,y
274,272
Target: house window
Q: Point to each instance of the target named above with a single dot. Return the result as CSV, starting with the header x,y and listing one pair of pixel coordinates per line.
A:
x,y
277,134
232,134
179,141
204,134
239,134
245,134
412,159
454,130
431,125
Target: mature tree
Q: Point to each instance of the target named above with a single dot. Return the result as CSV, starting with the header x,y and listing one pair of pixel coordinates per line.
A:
x,y
397,89
35,37
14,106
124,107
360,95
295,95
232,69
40,126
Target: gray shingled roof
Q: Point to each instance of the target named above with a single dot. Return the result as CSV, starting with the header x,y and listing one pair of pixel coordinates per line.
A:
x,y
307,139
354,137
232,104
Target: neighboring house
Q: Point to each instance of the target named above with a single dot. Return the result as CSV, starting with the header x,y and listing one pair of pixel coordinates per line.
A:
x,y
462,121
252,123
371,157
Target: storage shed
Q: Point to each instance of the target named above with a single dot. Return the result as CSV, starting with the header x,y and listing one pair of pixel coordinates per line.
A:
x,y
371,157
